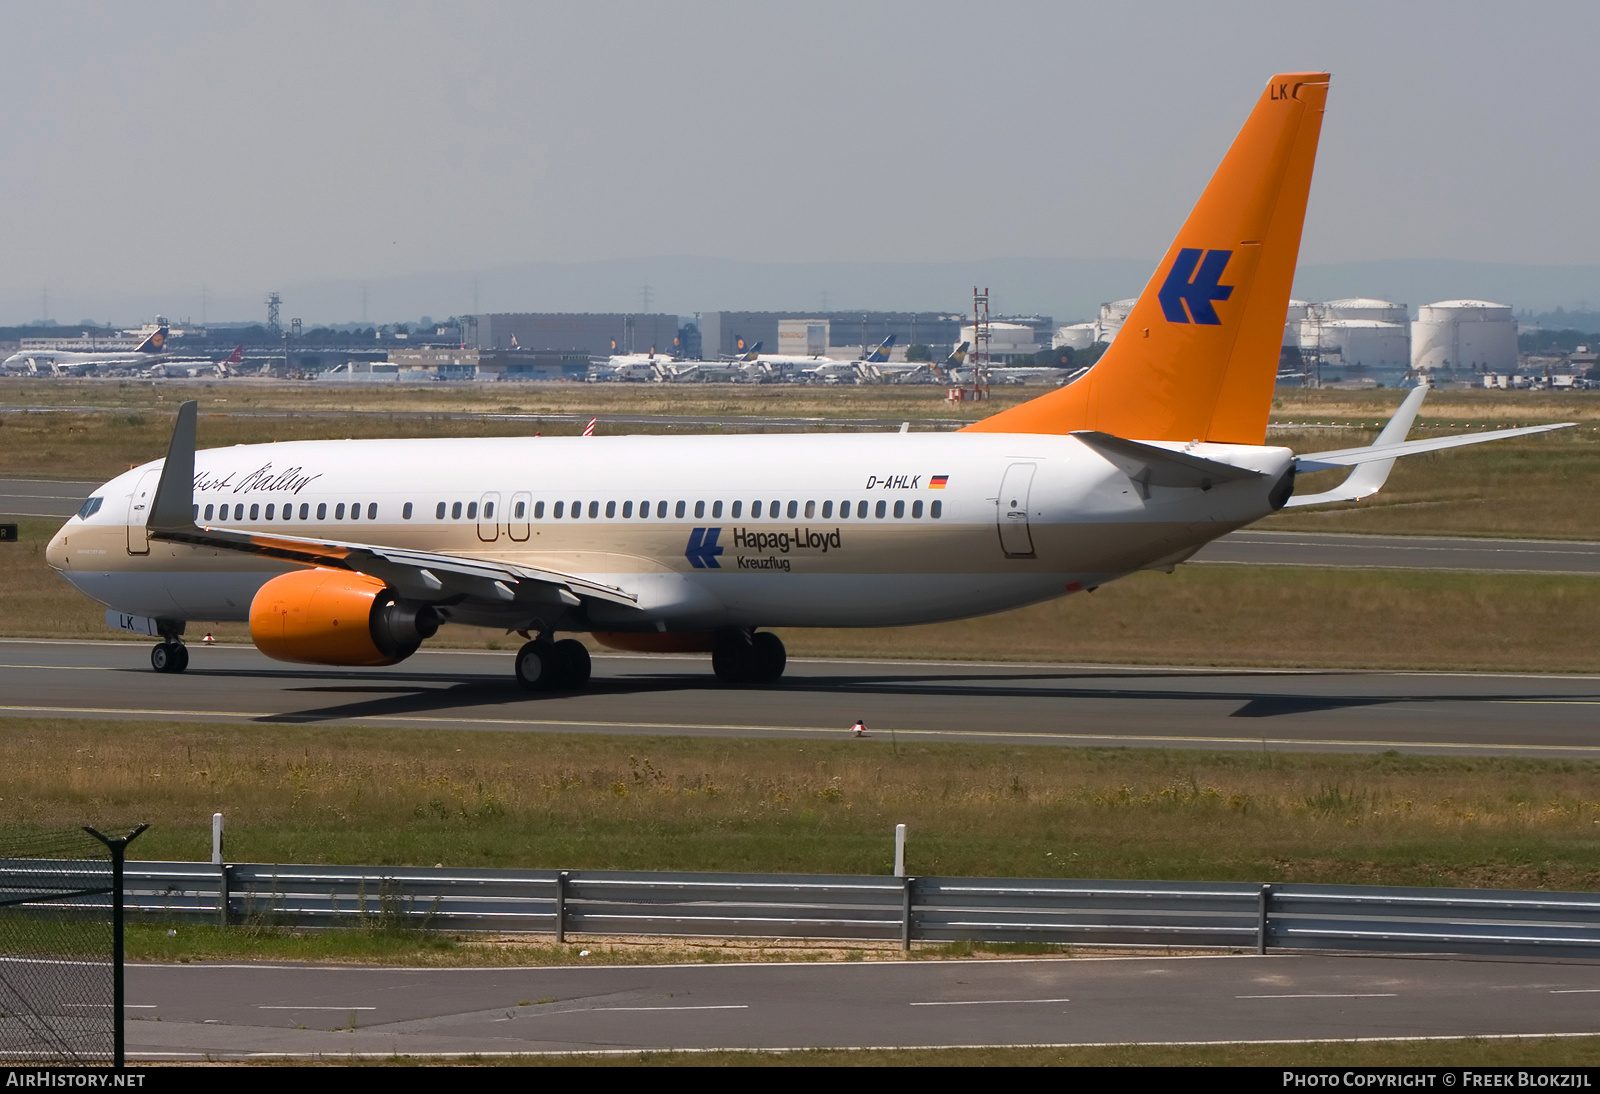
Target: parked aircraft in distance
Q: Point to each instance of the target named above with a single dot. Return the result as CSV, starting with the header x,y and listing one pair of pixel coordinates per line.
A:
x,y
354,552
70,363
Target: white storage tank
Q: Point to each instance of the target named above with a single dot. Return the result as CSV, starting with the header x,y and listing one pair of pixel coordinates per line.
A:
x,y
1365,344
1298,310
1075,336
1112,316
1470,335
1361,307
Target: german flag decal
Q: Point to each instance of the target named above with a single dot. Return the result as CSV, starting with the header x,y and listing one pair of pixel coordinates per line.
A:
x,y
937,482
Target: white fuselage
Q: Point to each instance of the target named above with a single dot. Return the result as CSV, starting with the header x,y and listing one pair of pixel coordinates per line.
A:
x,y
766,530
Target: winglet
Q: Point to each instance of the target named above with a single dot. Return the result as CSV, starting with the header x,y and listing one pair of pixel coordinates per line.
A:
x,y
173,508
1368,478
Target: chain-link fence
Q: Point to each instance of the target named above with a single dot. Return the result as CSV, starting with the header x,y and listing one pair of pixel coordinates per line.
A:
x,y
57,969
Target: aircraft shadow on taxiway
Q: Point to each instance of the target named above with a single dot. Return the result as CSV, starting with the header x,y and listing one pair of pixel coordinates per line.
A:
x,y
421,694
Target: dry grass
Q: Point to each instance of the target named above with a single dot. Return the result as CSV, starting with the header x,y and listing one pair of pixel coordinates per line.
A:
x,y
348,795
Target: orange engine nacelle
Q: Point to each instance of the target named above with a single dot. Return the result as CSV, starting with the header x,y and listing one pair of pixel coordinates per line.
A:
x,y
335,617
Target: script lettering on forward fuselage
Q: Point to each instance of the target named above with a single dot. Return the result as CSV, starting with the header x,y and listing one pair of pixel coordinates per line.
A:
x,y
262,478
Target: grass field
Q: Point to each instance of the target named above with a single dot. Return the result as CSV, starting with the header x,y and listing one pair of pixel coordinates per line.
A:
x,y
351,795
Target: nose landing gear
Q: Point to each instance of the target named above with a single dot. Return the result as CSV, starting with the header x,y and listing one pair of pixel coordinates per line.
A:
x,y
170,656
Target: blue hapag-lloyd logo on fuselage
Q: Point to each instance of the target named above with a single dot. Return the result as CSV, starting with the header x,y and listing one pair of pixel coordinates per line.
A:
x,y
1196,289
702,551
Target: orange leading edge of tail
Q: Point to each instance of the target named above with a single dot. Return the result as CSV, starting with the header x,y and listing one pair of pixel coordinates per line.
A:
x,y
1198,355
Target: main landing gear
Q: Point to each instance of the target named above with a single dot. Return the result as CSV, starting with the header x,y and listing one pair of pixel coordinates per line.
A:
x,y
543,665
747,657
170,656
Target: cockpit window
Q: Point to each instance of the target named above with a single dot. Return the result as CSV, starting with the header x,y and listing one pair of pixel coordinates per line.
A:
x,y
90,508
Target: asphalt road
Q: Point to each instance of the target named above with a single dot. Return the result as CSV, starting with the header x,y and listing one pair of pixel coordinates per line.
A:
x,y
1442,713
41,498
187,1011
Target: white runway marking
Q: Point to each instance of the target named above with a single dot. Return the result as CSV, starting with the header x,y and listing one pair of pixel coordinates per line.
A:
x,y
987,1002
1328,995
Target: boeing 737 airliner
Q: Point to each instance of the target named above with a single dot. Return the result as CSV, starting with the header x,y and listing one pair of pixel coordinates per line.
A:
x,y
355,552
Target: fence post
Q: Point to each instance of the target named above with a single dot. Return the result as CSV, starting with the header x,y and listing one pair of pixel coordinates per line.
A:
x,y
561,907
118,846
906,887
899,850
219,860
1263,902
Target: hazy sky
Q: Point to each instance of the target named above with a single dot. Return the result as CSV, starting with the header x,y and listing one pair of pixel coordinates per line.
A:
x,y
159,147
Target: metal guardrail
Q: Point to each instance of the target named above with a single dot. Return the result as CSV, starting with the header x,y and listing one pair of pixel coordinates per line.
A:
x,y
843,907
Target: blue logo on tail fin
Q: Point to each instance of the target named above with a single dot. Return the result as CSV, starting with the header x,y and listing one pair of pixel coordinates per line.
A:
x,y
1184,286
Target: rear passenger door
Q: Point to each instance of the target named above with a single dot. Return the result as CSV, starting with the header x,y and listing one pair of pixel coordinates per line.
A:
x,y
489,518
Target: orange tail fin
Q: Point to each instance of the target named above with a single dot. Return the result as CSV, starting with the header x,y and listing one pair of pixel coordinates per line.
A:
x,y
1198,355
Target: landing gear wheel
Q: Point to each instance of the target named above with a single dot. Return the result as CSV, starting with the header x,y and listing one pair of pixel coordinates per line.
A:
x,y
573,658
537,664
169,657
758,659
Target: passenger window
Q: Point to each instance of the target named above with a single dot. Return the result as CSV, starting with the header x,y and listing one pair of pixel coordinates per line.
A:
x,y
794,509
209,511
936,509
644,510
305,511
827,510
559,509
882,509
355,510
488,510
899,509
594,510
270,510
811,509
372,510
916,509
455,510
611,509
627,509
538,510
338,512
755,510
322,510
738,505
699,509
194,516
522,507
577,510
405,513
661,509
438,512
861,510
472,510
773,510
679,510
716,510
288,512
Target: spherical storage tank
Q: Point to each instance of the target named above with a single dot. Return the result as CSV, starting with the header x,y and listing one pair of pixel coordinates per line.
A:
x,y
1464,334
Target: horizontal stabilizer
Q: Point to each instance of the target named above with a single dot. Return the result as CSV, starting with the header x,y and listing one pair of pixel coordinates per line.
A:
x,y
1151,465
1350,457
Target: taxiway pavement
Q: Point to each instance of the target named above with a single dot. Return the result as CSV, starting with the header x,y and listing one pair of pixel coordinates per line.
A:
x,y
227,1011
1075,705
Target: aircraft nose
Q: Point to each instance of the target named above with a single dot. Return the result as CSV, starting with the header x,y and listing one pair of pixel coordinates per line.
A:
x,y
56,553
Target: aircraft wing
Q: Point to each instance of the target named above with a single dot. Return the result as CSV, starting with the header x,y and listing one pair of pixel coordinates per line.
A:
x,y
423,575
